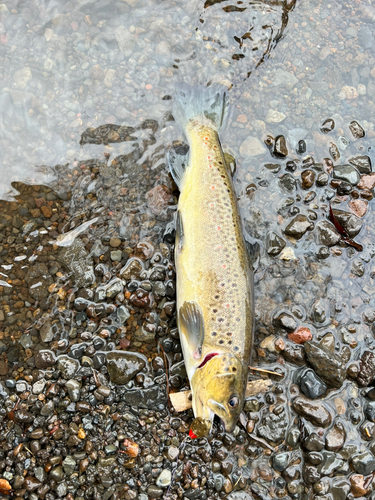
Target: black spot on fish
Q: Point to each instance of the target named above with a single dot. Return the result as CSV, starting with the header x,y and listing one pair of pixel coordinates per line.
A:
x,y
236,348
214,334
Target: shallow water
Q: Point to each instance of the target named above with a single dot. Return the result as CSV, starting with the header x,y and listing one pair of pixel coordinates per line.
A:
x,y
85,122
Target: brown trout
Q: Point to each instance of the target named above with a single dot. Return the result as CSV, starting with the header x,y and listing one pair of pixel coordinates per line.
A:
x,y
214,274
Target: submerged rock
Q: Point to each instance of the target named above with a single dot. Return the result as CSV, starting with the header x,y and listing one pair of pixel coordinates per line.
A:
x,y
327,233
366,373
327,126
364,463
356,130
328,365
280,149
335,437
311,385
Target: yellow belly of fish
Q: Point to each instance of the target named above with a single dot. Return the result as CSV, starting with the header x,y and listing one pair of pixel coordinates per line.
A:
x,y
212,267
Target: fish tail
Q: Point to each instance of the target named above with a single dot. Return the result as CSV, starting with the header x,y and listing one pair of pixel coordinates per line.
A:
x,y
207,105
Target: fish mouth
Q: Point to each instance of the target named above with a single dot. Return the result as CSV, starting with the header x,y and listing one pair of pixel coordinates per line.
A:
x,y
207,358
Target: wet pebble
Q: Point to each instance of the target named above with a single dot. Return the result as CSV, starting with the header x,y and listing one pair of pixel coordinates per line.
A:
x,y
335,437
311,385
327,126
362,163
274,244
346,173
308,179
364,463
164,479
328,365
280,149
123,366
315,412
298,227
285,321
327,233
356,130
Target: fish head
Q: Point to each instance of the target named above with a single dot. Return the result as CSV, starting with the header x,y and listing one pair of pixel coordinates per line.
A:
x,y
218,388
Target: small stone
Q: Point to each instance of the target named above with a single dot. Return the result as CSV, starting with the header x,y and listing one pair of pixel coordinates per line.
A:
x,y
274,244
280,461
159,198
367,182
115,242
301,335
274,116
315,412
333,151
311,385
116,255
358,268
364,463
327,233
242,118
357,485
285,321
298,227
308,179
335,437
313,442
67,366
326,364
327,126
346,173
366,373
44,359
38,387
69,465
356,130
301,147
362,164
252,147
123,366
173,453
322,179
348,92
349,222
280,149
164,479
154,492
287,183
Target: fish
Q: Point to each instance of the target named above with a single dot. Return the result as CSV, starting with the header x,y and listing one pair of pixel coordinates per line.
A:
x,y
215,297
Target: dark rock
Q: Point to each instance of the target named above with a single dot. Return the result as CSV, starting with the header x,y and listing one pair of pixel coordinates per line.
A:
x,y
319,311
346,173
313,442
78,262
39,279
333,151
291,166
362,164
287,183
273,167
327,233
315,412
364,463
327,126
308,179
274,243
349,222
311,385
31,483
123,366
301,148
280,149
44,359
314,458
356,130
285,320
366,373
294,353
327,365
280,461
298,227
331,462
335,437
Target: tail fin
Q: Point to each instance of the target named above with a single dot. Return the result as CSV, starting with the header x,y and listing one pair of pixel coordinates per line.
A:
x,y
205,104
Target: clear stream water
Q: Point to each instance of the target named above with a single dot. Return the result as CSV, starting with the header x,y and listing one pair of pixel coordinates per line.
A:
x,y
86,92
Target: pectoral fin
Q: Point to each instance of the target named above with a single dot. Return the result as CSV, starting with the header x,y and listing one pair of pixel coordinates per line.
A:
x,y
191,324
230,163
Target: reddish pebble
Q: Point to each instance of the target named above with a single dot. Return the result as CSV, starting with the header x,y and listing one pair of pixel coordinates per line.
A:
x,y
301,335
367,182
3,39
124,343
358,207
148,86
242,118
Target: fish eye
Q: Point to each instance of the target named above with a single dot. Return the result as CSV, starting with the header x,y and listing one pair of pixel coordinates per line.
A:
x,y
233,402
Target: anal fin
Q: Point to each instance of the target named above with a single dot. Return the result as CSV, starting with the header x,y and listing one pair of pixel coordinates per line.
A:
x,y
191,324
177,156
179,231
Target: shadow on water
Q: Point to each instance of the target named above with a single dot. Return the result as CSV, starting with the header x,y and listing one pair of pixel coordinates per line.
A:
x,y
88,341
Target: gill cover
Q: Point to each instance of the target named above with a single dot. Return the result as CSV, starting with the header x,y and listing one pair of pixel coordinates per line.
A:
x,y
219,389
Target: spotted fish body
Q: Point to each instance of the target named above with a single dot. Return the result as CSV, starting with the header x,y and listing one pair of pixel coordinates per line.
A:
x,y
214,274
